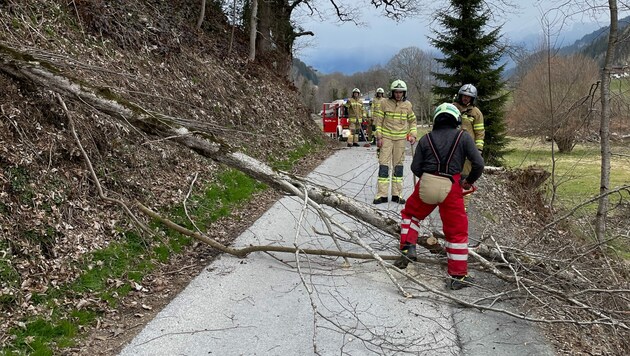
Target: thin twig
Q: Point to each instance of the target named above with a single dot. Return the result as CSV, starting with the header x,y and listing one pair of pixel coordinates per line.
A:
x,y
192,184
88,163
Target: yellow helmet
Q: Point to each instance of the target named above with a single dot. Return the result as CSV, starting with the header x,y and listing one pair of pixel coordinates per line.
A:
x,y
450,109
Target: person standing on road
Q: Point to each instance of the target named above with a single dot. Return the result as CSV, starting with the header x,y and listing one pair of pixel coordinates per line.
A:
x,y
472,118
438,162
395,124
375,104
355,116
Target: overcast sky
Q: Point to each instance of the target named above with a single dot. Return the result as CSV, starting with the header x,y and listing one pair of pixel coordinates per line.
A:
x,y
348,48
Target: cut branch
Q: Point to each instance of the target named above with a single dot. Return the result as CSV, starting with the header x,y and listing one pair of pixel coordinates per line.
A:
x,y
243,252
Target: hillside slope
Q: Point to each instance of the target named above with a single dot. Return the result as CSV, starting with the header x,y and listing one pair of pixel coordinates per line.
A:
x,y
53,225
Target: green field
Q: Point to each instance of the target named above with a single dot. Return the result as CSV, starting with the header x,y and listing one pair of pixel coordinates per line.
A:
x,y
577,173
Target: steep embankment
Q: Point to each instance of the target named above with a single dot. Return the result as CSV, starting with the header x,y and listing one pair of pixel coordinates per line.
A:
x,y
66,256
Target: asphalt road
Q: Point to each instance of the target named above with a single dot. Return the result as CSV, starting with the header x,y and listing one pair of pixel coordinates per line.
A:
x,y
264,305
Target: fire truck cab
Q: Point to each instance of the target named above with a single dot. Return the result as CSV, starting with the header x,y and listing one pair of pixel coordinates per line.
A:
x,y
335,120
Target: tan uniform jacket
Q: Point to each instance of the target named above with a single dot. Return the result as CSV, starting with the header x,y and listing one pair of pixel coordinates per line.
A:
x,y
355,110
472,122
395,120
375,104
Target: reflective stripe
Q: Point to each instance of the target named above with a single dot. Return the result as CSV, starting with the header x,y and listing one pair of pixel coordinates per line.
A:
x,y
404,231
383,180
415,227
478,126
413,218
406,221
457,246
457,257
395,132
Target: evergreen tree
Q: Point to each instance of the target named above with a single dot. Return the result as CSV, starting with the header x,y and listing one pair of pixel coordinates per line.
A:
x,y
471,56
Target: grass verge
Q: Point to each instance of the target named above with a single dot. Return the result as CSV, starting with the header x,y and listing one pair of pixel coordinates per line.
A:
x,y
111,273
577,172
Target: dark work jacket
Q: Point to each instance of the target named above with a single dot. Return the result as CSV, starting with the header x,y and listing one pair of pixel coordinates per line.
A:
x,y
424,160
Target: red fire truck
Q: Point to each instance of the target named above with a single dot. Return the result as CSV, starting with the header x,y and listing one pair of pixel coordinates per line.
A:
x,y
335,121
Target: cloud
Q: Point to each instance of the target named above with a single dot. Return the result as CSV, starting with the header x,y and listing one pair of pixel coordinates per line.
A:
x,y
349,60
348,48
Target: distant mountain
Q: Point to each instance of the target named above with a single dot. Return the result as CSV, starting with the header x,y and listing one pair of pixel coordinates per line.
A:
x,y
301,69
595,43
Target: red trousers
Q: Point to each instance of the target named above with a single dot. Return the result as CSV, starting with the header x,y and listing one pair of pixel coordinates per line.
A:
x,y
454,225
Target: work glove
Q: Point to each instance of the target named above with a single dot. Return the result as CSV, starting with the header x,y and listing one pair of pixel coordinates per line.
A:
x,y
465,185
379,142
467,188
411,139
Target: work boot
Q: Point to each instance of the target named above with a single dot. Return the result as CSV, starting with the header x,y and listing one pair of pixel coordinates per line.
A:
x,y
408,254
355,144
349,145
367,145
397,199
459,282
380,200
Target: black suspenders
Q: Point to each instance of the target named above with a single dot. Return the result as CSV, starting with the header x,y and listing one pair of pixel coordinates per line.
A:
x,y
443,169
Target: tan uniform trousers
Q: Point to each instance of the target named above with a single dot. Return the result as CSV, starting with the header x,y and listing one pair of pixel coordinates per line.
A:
x,y
353,126
392,155
465,172
467,168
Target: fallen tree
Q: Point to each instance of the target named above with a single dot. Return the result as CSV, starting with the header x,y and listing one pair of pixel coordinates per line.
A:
x,y
189,133
195,136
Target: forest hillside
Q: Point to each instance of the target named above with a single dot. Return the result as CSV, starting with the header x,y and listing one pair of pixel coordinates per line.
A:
x,y
53,225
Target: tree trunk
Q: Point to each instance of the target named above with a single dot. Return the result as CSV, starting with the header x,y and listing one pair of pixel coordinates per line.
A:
x,y
253,23
233,26
202,13
604,126
263,37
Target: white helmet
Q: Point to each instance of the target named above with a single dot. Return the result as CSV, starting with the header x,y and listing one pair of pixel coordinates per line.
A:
x,y
398,85
468,90
380,90
356,90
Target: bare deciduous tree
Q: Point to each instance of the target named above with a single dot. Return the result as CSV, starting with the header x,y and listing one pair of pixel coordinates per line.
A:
x,y
555,89
604,124
415,66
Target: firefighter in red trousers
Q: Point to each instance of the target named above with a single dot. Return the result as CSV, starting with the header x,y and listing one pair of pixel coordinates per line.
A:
x,y
438,162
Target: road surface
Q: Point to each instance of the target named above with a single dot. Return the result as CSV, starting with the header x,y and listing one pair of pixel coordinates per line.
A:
x,y
264,305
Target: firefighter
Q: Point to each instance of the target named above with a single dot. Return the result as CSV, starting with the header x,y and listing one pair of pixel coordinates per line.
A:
x,y
438,162
472,118
395,124
375,104
355,116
